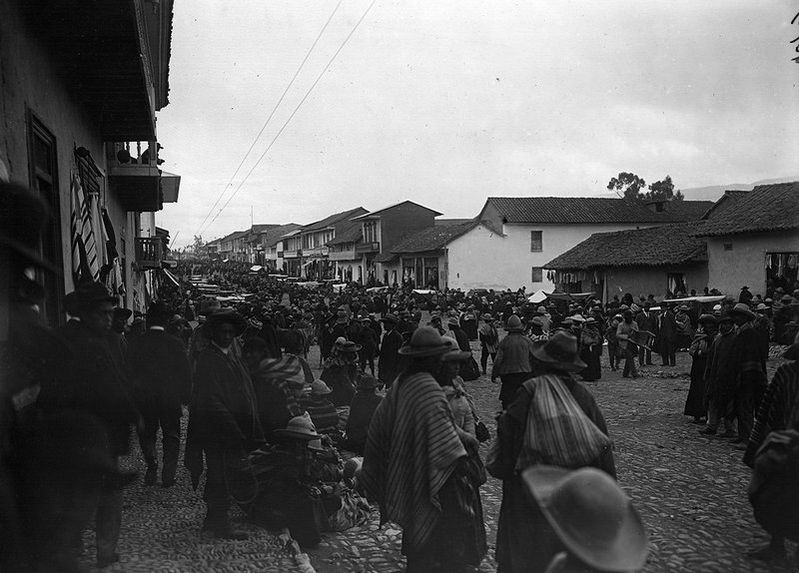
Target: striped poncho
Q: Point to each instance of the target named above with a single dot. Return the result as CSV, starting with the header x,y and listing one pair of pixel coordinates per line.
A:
x,y
412,448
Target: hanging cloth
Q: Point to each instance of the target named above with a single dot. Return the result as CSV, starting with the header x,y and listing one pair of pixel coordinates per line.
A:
x,y
85,266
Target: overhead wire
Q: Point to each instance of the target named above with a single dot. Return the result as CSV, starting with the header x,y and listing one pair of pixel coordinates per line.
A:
x,y
271,115
293,113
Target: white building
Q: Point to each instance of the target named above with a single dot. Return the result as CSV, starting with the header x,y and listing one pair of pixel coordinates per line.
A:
x,y
519,235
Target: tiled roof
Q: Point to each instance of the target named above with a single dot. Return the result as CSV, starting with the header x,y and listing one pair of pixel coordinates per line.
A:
x,y
260,228
271,236
372,213
765,208
433,238
650,247
333,219
347,232
591,210
447,222
730,196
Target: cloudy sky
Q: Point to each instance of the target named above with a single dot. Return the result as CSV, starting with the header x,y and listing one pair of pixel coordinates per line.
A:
x,y
445,103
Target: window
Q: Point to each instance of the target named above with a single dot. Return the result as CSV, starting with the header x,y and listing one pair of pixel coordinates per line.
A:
x,y
42,161
538,275
536,242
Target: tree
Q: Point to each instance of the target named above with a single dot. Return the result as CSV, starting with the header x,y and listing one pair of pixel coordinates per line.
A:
x,y
663,191
629,183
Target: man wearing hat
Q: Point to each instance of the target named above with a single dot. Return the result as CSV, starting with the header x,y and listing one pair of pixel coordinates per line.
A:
x,y
322,411
160,375
778,411
341,371
489,339
388,365
411,461
457,333
667,329
750,352
695,403
719,378
591,523
521,546
223,420
514,362
200,339
96,384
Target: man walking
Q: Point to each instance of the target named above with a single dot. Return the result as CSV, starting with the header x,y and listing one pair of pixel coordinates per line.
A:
x,y
514,363
750,377
388,364
161,376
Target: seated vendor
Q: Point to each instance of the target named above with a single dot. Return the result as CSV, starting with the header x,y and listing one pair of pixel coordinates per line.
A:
x,y
323,413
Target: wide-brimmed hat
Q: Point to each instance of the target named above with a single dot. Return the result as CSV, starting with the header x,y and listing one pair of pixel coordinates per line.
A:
x,y
89,294
347,346
23,216
299,428
786,298
591,515
425,341
124,313
320,388
708,318
684,307
537,321
392,318
454,353
541,310
487,317
229,316
761,306
743,309
560,352
514,324
577,318
793,350
209,306
453,322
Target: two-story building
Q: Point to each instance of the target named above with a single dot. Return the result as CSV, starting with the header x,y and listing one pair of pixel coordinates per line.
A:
x,y
81,86
267,245
315,237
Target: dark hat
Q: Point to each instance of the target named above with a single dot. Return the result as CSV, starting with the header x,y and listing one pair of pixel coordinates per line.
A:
x,y
560,352
725,317
367,382
347,346
425,341
299,428
793,350
514,324
89,294
392,318
124,313
591,515
158,312
227,316
708,318
22,219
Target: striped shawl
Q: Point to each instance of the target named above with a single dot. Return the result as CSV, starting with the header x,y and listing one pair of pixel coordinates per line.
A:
x,y
411,450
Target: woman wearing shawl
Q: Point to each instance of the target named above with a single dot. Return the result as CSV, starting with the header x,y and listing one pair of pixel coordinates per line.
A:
x,y
525,542
341,371
414,463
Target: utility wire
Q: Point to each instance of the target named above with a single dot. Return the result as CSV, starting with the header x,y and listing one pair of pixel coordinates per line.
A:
x,y
283,127
271,114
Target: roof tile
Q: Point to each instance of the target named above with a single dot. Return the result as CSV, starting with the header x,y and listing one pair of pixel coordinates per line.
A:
x,y
765,208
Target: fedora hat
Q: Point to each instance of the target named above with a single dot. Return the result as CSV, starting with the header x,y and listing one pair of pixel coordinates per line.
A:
x,y
537,321
425,341
209,306
560,352
541,310
708,318
89,294
124,313
578,318
454,353
741,308
320,388
591,515
299,428
392,318
514,324
228,316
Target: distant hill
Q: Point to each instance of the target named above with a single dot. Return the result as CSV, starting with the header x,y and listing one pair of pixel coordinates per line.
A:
x,y
713,192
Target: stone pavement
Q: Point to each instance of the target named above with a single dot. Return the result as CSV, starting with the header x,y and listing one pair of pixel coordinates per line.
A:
x,y
689,489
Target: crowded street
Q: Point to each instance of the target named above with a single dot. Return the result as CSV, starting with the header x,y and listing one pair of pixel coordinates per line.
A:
x,y
691,498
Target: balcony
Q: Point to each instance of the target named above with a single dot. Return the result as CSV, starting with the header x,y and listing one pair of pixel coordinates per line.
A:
x,y
345,255
134,177
373,247
292,254
148,252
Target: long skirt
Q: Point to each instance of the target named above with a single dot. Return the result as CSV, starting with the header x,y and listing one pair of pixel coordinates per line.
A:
x,y
591,355
695,404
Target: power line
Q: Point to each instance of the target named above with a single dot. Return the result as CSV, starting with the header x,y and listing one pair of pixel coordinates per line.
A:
x,y
271,114
293,113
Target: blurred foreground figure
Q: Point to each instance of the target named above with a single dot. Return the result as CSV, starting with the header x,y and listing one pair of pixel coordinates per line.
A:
x,y
54,461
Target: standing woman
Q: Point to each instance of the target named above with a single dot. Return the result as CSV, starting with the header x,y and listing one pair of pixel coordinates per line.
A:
x,y
514,362
525,541
695,404
591,350
489,338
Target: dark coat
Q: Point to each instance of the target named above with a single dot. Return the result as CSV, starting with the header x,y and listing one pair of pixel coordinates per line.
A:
x,y
223,411
159,370
362,408
95,383
341,379
462,338
389,363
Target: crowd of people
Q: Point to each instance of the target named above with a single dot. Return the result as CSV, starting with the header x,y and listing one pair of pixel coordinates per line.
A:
x,y
390,419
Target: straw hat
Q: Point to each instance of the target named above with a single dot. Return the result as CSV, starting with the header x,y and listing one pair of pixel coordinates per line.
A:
x,y
537,321
514,324
347,346
425,341
560,352
299,428
742,309
591,515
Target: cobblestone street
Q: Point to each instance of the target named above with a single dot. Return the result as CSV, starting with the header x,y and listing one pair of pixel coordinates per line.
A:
x,y
690,490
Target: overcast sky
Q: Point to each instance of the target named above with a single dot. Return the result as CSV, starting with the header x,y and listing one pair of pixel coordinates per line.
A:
x,y
446,103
